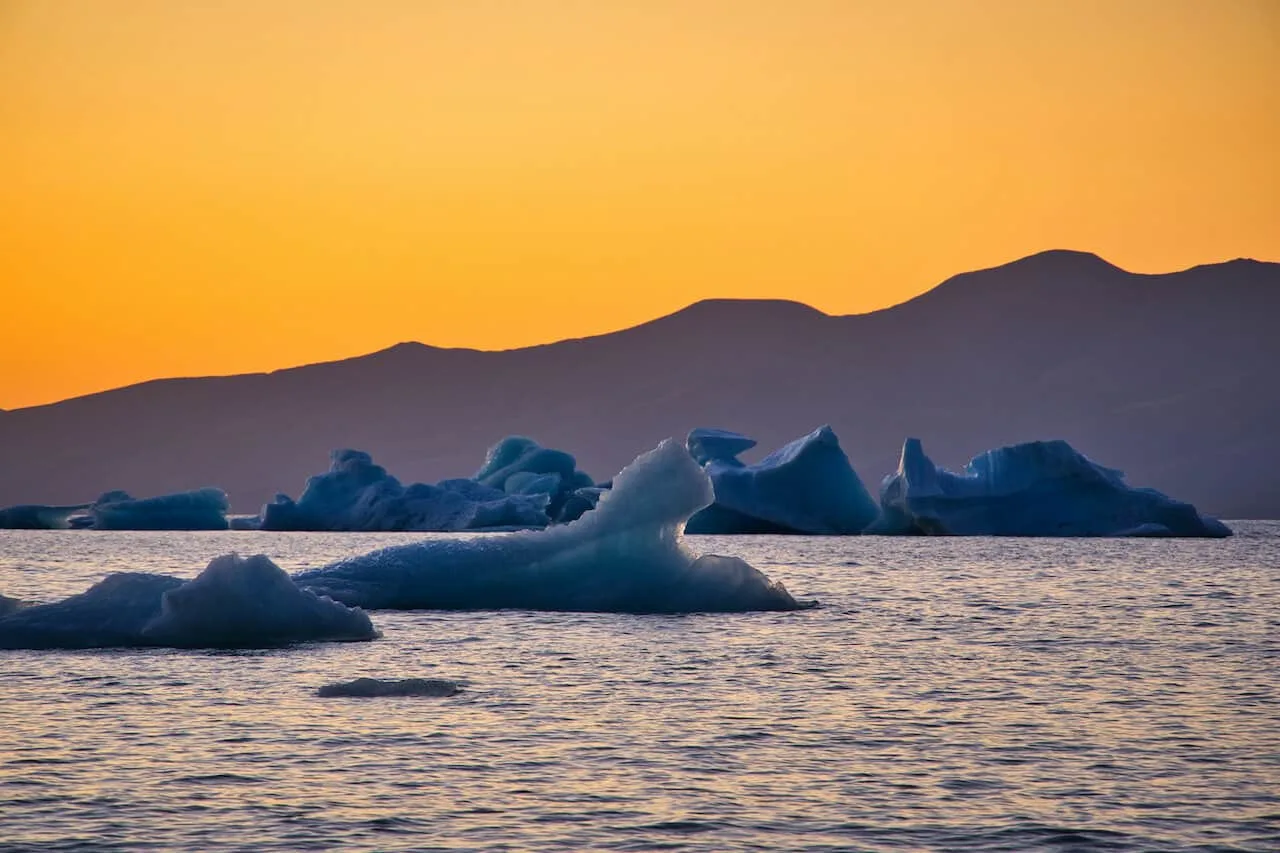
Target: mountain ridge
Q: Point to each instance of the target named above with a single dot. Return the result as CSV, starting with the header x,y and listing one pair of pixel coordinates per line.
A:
x,y
1083,256
1164,375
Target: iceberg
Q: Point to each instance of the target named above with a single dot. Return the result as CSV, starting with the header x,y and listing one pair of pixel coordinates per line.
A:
x,y
807,486
625,556
233,603
518,465
1040,488
38,516
201,509
356,494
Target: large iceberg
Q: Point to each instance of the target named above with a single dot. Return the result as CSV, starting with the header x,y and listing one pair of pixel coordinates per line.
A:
x,y
200,509
356,494
807,486
626,556
234,603
38,516
1041,488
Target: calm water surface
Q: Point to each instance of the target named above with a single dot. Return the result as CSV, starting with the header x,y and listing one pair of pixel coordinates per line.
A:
x,y
950,694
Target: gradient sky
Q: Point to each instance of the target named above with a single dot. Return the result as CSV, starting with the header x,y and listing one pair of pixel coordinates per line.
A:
x,y
198,187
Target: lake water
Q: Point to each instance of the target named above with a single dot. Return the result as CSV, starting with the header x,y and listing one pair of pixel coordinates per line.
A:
x,y
949,694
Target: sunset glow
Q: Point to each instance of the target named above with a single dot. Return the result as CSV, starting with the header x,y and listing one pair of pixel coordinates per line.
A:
x,y
191,188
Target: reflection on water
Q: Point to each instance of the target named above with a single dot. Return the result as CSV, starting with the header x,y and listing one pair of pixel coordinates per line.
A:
x,y
951,694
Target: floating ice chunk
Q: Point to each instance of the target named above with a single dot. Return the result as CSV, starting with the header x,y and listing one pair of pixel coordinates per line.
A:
x,y
113,612
234,603
38,516
368,688
356,494
252,602
807,486
1041,488
201,509
624,556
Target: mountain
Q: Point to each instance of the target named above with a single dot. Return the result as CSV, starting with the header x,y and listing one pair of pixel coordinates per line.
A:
x,y
1168,377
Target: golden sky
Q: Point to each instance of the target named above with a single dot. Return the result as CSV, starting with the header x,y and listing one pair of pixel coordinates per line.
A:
x,y
216,187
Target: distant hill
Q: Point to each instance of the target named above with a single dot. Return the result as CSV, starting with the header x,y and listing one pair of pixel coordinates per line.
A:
x,y
1171,378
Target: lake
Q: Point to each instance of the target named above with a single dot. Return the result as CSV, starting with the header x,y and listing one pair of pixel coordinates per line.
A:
x,y
948,694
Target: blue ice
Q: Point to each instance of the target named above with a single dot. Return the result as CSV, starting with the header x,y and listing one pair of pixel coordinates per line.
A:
x,y
234,603
38,516
356,494
807,486
518,465
1040,488
199,509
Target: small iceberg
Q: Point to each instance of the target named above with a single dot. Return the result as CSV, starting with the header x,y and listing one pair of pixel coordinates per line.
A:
x,y
626,556
234,603
1040,488
370,688
199,509
38,516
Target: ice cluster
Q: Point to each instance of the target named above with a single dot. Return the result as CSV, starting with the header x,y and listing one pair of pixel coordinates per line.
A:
x,y
1041,488
234,603
627,555
809,486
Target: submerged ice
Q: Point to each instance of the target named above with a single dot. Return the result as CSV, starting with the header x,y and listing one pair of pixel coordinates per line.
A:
x,y
807,486
1041,488
234,603
373,688
626,555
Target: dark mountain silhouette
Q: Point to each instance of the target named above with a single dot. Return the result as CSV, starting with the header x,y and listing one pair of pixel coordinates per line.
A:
x,y
1168,377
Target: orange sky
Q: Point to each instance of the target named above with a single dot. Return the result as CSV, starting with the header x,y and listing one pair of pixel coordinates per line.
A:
x,y
192,187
